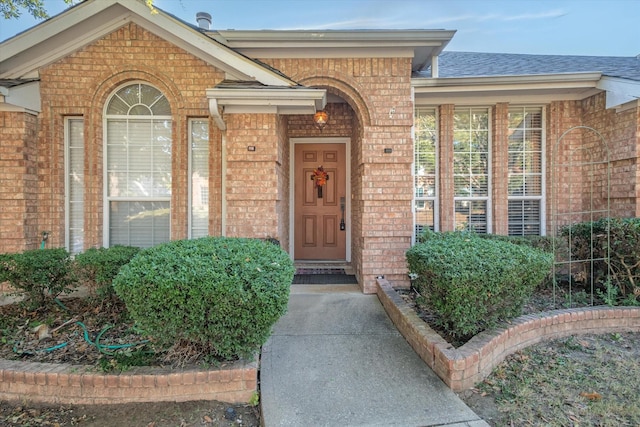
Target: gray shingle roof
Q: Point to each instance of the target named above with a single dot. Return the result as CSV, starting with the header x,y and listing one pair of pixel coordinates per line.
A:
x,y
473,64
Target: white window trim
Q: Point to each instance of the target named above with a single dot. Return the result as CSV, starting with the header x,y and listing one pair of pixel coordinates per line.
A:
x,y
67,180
543,164
488,198
190,173
105,178
347,216
436,197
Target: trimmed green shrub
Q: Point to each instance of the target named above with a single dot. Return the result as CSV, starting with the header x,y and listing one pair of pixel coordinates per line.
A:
x,y
544,243
224,294
41,274
617,237
473,283
99,266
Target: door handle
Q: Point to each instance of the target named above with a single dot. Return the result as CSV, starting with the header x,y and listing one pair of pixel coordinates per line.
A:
x,y
342,224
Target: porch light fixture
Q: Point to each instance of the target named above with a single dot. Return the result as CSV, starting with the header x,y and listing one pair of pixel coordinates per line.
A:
x,y
320,119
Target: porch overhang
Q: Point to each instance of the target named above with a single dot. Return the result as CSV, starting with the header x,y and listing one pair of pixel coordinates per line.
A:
x,y
524,88
248,97
620,92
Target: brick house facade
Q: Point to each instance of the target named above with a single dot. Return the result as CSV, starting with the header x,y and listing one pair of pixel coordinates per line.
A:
x,y
228,116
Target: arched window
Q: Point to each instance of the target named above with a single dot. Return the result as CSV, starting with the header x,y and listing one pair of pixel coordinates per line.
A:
x,y
137,167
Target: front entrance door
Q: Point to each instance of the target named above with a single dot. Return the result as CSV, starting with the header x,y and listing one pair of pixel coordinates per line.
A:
x,y
319,215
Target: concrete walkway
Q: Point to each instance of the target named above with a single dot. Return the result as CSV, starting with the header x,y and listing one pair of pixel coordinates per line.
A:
x,y
335,359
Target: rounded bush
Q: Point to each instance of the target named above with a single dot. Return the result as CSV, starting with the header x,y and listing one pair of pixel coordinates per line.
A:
x,y
224,293
473,283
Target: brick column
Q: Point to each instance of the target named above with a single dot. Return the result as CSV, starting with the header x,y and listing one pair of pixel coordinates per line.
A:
x,y
252,176
500,168
445,152
18,182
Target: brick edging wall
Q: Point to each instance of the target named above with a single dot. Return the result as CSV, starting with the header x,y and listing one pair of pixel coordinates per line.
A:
x,y
78,384
462,368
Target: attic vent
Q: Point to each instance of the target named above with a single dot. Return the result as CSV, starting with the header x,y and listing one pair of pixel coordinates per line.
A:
x,y
204,20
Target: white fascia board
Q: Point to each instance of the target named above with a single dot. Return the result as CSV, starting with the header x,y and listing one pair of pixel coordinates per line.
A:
x,y
269,97
619,91
543,81
512,97
421,45
60,45
334,38
26,96
264,100
525,89
52,27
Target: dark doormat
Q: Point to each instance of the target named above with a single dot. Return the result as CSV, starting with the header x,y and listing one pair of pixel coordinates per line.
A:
x,y
324,279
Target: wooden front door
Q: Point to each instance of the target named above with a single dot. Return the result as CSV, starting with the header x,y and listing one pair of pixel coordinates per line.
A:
x,y
319,222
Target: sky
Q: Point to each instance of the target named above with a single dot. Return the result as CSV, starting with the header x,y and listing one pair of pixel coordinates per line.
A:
x,y
555,27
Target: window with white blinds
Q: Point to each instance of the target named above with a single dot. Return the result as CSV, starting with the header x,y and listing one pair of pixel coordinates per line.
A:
x,y
138,167
199,178
526,172
74,184
425,169
471,175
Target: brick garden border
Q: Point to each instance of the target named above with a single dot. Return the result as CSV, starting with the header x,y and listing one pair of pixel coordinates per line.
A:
x,y
461,368
80,384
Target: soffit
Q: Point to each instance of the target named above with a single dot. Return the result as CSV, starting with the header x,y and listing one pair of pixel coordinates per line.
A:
x,y
421,45
476,90
232,97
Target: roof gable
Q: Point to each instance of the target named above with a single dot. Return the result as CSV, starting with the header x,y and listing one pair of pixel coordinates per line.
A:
x,y
21,56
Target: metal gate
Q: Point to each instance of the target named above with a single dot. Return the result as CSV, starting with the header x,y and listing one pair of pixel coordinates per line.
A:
x,y
580,187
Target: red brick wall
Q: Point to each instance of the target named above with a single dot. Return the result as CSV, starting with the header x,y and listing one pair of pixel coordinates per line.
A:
x,y
620,133
19,228
252,176
82,83
499,168
445,153
378,90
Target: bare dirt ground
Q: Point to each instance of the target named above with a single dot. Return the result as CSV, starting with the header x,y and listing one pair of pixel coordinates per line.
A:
x,y
591,380
73,329
163,414
582,380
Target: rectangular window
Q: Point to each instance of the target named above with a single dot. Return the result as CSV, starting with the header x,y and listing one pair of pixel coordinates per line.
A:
x,y
199,178
74,184
425,169
526,172
471,174
138,170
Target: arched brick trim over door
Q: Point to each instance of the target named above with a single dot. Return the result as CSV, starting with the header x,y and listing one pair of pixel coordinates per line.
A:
x,y
351,94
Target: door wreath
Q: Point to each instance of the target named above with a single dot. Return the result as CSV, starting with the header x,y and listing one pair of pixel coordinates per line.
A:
x,y
320,178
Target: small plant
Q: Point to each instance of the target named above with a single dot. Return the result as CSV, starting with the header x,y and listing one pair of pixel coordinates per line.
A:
x,y
218,294
610,295
123,360
255,399
41,274
576,299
